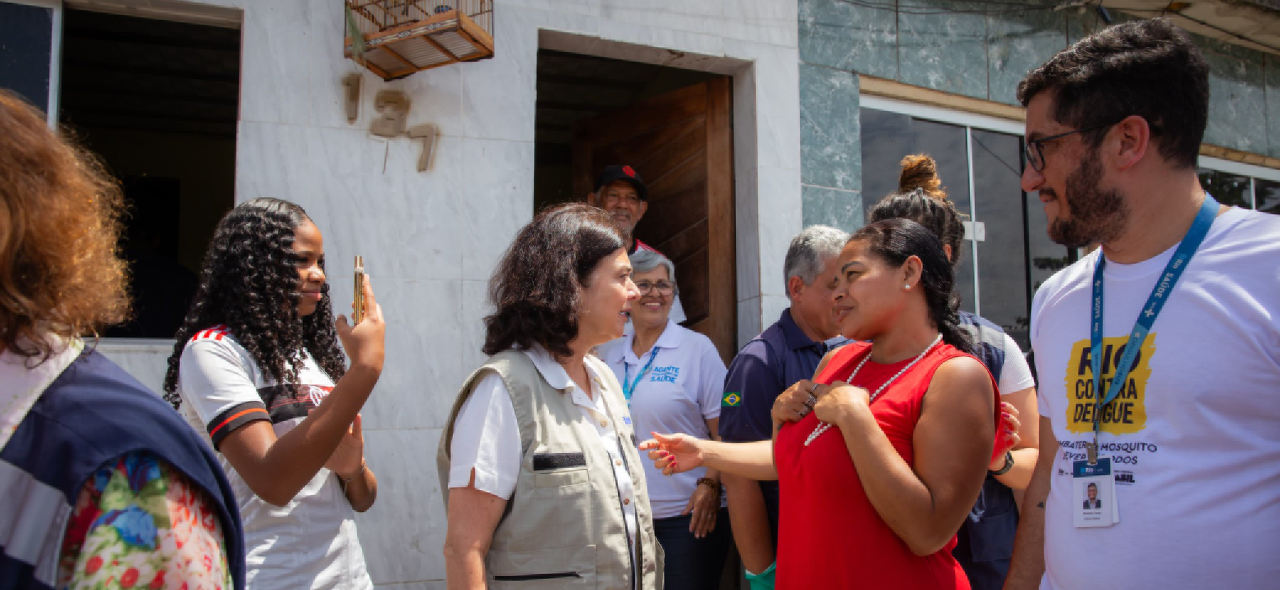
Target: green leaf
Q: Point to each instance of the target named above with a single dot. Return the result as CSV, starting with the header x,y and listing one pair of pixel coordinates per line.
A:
x,y
117,495
357,38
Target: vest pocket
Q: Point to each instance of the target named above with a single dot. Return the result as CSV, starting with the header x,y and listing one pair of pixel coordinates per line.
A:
x,y
573,567
531,577
560,478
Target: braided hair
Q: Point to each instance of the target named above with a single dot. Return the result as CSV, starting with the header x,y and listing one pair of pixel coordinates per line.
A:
x,y
249,283
896,240
922,199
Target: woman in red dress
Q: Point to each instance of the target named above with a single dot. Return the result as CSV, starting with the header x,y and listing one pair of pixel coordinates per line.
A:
x,y
882,455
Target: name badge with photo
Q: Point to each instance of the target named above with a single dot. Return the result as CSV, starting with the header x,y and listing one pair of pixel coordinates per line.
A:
x,y
1093,493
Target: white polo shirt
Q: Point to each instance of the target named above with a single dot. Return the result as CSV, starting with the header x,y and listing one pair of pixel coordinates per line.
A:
x,y
486,436
679,393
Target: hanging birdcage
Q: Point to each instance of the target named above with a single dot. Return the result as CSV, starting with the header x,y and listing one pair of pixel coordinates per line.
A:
x,y
399,37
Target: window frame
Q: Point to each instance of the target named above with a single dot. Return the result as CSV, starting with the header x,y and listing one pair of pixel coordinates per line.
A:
x,y
55,56
1251,171
969,121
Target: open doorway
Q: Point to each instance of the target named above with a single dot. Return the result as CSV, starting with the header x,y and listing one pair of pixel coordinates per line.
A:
x,y
158,100
673,126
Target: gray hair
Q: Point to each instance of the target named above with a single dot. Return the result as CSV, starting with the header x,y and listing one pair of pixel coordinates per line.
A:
x,y
809,252
645,260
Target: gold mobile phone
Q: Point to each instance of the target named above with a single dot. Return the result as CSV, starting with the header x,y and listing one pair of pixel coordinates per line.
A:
x,y
357,313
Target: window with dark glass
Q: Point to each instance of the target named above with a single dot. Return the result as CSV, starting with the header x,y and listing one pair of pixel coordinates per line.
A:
x,y
1013,253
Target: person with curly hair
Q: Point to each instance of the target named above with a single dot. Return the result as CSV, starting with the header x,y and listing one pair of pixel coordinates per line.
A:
x,y
545,485
102,482
257,366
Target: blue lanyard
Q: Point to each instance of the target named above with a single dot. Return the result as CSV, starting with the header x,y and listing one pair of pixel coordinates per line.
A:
x,y
629,386
1155,302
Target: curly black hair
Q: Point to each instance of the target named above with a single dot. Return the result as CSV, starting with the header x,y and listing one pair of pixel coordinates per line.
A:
x,y
249,284
537,287
896,240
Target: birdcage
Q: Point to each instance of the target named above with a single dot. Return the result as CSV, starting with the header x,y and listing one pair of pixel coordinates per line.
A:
x,y
395,38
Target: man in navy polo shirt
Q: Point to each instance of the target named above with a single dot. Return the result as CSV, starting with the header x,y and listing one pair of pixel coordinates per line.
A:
x,y
620,191
783,354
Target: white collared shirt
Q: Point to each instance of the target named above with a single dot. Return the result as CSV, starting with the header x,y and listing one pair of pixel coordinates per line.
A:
x,y
486,436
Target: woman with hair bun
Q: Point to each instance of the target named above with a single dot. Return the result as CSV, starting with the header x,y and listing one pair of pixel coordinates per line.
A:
x,y
985,541
880,456
257,366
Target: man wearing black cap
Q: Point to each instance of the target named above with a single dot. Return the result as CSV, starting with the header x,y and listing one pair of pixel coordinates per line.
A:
x,y
620,191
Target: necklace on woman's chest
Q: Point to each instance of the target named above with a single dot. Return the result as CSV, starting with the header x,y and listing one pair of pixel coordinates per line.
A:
x,y
823,426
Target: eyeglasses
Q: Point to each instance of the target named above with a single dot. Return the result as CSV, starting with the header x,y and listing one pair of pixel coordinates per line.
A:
x,y
663,287
1033,151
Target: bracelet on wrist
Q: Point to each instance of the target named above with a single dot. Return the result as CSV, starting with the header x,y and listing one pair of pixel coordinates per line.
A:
x,y
1008,463
709,482
346,480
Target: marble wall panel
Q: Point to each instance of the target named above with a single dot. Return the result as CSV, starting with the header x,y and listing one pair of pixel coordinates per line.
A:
x,y
275,73
496,200
679,43
747,233
777,75
1082,22
943,47
423,365
1018,42
834,207
701,18
750,320
403,533
475,305
498,94
771,307
830,138
845,36
574,7
781,218
326,67
1237,101
766,21
1273,105
399,220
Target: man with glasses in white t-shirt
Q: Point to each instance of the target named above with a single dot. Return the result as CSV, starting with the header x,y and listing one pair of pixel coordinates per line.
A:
x,y
1179,432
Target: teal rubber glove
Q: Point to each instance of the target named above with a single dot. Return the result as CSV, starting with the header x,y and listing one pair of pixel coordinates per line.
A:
x,y
762,580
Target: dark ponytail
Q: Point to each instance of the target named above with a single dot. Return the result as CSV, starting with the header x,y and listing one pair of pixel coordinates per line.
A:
x,y
896,240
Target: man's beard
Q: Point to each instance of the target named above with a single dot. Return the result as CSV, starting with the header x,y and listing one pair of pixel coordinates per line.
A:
x,y
1097,215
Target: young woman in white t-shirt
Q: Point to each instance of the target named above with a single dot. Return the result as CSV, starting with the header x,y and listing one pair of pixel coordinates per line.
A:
x,y
257,366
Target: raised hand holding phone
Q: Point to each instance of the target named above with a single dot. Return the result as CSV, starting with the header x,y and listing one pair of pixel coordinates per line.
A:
x,y
357,301
364,341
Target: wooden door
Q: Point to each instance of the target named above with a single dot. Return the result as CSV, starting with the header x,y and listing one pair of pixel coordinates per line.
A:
x,y
681,143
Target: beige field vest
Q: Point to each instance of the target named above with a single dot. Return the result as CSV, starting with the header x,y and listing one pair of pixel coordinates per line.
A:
x,y
564,526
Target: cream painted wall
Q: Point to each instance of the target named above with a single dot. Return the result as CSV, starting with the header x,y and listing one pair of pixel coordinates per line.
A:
x,y
430,240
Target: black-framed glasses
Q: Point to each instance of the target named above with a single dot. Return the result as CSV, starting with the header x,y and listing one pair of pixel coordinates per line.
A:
x,y
1033,153
663,287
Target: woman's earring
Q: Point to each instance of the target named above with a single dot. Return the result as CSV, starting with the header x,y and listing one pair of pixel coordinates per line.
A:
x,y
907,286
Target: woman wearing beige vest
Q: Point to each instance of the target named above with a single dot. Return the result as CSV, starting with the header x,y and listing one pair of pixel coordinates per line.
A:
x,y
545,486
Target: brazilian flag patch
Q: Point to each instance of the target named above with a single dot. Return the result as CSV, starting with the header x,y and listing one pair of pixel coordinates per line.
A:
x,y
731,398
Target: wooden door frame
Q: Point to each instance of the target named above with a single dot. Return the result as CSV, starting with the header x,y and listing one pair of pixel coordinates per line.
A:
x,y
721,327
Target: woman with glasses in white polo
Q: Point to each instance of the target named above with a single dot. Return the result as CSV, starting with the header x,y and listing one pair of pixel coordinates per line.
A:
x,y
672,378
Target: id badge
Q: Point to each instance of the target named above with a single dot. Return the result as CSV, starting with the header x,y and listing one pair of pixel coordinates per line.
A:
x,y
1093,493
